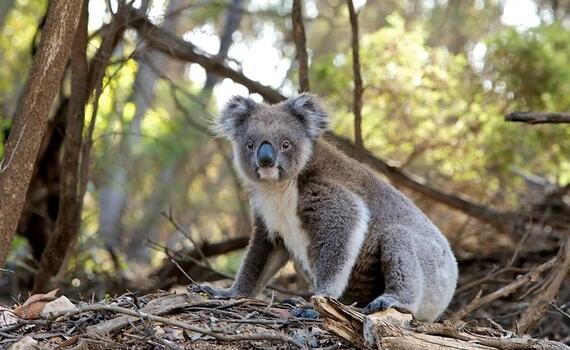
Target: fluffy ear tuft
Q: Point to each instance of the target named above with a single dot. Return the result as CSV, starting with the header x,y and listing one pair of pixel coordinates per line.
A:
x,y
308,109
233,115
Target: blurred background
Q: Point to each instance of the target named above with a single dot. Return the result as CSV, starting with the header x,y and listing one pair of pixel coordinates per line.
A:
x,y
439,76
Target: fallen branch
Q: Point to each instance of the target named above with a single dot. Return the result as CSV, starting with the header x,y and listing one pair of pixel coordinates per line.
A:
x,y
391,329
507,290
538,117
542,301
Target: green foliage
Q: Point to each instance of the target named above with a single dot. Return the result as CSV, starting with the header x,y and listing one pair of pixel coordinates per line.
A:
x,y
15,50
428,110
531,70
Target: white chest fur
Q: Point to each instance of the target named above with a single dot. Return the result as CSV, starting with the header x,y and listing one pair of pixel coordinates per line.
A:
x,y
277,205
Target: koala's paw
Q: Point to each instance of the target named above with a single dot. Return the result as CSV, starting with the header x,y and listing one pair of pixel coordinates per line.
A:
x,y
214,293
381,303
295,302
300,312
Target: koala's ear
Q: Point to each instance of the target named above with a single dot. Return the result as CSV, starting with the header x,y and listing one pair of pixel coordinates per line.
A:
x,y
233,115
308,109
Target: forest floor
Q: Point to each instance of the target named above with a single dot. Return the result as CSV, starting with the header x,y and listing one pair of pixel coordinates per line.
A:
x,y
189,320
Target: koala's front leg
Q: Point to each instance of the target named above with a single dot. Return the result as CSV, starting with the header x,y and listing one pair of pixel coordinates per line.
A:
x,y
262,260
337,221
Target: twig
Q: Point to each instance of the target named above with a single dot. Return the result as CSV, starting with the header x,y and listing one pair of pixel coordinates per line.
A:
x,y
186,234
357,98
184,325
168,253
538,117
479,301
300,44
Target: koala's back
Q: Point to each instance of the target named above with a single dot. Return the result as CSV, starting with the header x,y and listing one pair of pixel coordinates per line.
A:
x,y
395,223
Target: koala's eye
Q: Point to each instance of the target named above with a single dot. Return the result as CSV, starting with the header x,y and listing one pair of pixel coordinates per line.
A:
x,y
285,144
249,145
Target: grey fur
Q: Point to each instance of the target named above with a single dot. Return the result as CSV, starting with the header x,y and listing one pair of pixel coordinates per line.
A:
x,y
355,237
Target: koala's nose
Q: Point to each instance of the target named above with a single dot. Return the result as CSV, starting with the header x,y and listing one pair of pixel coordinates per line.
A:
x,y
265,155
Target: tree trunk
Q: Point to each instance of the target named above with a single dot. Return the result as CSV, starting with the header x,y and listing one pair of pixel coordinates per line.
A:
x,y
67,223
63,239
32,114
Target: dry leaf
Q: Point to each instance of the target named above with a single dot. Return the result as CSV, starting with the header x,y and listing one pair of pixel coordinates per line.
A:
x,y
7,318
159,331
33,307
59,304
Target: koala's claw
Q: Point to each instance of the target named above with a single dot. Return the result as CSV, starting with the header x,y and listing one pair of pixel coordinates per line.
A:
x,y
305,313
381,303
214,293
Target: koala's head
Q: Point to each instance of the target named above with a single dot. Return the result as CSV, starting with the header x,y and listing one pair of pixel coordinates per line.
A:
x,y
272,142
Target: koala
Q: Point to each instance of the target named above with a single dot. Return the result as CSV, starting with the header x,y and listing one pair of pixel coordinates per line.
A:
x,y
353,236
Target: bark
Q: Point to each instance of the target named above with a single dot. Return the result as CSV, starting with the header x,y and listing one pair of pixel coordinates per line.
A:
x,y
300,44
357,96
32,113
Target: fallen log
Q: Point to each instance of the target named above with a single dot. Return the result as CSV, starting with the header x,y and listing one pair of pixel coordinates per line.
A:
x,y
391,329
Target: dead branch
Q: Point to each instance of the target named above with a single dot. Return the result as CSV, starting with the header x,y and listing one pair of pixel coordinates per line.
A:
x,y
300,44
358,89
542,301
178,48
538,117
31,116
507,290
391,329
502,220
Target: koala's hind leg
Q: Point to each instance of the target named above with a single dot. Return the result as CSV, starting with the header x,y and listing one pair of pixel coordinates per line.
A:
x,y
403,274
337,220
